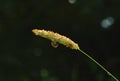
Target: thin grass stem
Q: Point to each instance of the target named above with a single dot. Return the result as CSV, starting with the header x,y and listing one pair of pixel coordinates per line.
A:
x,y
99,65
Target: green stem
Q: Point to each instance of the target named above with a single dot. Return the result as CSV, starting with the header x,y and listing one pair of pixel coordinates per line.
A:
x,y
99,65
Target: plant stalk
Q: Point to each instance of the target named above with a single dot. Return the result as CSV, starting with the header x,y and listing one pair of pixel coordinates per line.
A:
x,y
99,65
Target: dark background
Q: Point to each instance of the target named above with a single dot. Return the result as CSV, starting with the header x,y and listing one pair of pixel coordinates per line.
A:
x,y
26,57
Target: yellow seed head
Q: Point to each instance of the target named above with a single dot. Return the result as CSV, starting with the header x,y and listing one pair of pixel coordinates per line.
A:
x,y
56,37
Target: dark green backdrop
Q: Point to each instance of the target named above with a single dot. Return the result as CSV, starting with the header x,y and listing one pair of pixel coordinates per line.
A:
x,y
26,57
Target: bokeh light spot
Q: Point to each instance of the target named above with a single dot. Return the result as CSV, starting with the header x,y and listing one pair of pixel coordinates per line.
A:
x,y
107,22
72,1
44,73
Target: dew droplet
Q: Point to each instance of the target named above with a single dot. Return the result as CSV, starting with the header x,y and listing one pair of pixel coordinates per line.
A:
x,y
54,44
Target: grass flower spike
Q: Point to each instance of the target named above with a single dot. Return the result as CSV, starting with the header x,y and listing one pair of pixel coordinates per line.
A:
x,y
57,38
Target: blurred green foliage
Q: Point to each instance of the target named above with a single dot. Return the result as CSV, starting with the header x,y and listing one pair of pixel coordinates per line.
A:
x,y
25,57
